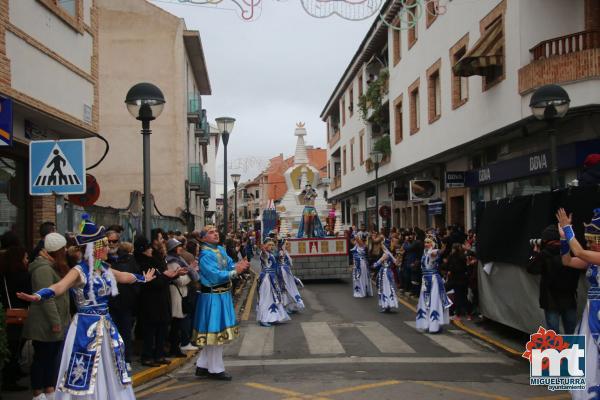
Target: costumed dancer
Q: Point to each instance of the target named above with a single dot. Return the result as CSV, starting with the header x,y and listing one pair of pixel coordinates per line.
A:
x,y
589,326
292,300
433,309
93,359
386,286
269,307
215,322
310,224
361,279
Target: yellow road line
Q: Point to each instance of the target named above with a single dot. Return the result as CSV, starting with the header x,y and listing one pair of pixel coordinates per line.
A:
x,y
555,397
358,388
407,304
272,389
488,339
185,385
154,389
250,299
461,390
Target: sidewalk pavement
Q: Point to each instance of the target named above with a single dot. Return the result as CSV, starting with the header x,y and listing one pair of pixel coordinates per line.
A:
x,y
504,338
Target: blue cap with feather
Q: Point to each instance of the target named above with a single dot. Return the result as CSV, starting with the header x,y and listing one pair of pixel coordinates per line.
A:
x,y
89,232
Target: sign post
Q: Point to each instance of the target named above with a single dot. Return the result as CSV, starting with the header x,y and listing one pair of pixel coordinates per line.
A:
x,y
56,167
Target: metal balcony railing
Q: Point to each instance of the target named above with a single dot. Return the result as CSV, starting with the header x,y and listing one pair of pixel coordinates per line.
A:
x,y
202,129
194,108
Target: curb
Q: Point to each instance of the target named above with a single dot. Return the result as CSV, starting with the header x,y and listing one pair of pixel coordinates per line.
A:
x,y
149,374
507,349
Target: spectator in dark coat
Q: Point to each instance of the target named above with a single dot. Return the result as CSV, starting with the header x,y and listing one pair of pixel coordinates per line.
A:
x,y
558,284
458,278
590,176
45,228
123,307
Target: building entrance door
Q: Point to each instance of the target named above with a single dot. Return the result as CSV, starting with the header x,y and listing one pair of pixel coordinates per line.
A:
x,y
457,210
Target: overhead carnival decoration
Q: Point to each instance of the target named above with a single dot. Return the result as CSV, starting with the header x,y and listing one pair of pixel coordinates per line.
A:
x,y
353,10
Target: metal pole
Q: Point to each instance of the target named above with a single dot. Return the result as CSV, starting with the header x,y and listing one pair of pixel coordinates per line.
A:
x,y
553,157
225,137
235,207
377,196
147,190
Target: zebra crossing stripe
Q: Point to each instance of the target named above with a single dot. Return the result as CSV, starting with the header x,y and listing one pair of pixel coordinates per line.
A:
x,y
449,343
383,338
321,339
258,341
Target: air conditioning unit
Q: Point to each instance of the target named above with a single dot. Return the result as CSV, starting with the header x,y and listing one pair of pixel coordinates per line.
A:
x,y
423,189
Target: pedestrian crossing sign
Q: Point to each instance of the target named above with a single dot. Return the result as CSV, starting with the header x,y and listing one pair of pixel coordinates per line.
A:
x,y
56,166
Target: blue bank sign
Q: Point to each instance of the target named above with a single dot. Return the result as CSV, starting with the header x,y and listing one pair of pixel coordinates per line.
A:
x,y
57,166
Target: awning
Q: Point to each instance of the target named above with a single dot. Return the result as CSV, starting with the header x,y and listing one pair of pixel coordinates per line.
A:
x,y
486,55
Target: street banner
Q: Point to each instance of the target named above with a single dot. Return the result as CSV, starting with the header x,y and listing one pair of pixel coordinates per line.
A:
x,y
57,166
6,122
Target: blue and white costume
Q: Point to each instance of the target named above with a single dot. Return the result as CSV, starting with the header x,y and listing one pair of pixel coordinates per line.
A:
x,y
269,307
93,360
215,321
361,280
386,286
433,309
292,301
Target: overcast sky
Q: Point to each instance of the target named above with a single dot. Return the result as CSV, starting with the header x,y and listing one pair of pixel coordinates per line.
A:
x,y
269,74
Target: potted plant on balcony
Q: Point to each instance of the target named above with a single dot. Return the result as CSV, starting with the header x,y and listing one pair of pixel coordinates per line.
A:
x,y
370,103
382,145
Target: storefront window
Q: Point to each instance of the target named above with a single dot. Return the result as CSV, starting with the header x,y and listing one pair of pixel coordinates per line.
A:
x,y
530,185
12,198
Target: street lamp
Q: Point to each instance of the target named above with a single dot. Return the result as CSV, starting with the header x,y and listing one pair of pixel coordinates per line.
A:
x,y
376,157
145,102
549,103
235,178
225,126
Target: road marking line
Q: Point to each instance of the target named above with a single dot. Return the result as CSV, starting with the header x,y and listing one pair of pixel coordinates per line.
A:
x,y
358,388
154,389
272,389
383,338
407,304
370,360
179,386
250,299
461,390
450,343
258,341
321,339
488,339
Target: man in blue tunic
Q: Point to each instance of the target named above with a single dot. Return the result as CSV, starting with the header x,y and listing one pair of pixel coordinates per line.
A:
x,y
215,321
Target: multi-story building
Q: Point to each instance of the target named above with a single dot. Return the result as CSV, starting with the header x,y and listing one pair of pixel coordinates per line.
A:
x,y
49,78
162,51
446,99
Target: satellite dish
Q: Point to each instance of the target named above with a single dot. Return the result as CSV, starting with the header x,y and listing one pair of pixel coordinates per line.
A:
x,y
91,195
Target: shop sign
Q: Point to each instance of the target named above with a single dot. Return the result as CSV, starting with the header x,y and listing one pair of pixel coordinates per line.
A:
x,y
435,208
455,179
6,122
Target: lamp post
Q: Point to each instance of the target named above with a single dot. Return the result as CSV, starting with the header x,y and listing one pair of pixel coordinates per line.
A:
x,y
145,102
235,178
225,126
549,103
376,157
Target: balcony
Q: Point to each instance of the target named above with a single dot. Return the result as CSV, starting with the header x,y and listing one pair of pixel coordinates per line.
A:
x,y
194,108
334,138
199,181
202,129
563,59
336,182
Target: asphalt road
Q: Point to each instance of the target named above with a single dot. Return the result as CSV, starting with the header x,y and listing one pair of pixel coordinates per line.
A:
x,y
343,348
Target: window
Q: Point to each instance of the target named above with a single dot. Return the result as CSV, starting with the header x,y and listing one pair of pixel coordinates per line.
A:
x,y
459,84
361,144
70,11
396,42
412,23
70,6
433,8
344,159
434,96
498,74
257,194
398,134
360,84
413,90
343,112
351,103
352,154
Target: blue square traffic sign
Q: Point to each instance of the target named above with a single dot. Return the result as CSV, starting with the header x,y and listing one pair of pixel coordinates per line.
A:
x,y
57,166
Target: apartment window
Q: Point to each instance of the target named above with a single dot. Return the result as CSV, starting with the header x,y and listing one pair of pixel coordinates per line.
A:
x,y
415,112
344,160
498,74
413,21
431,12
396,41
459,84
70,11
343,112
352,154
351,102
398,134
256,194
434,96
360,84
70,6
361,144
